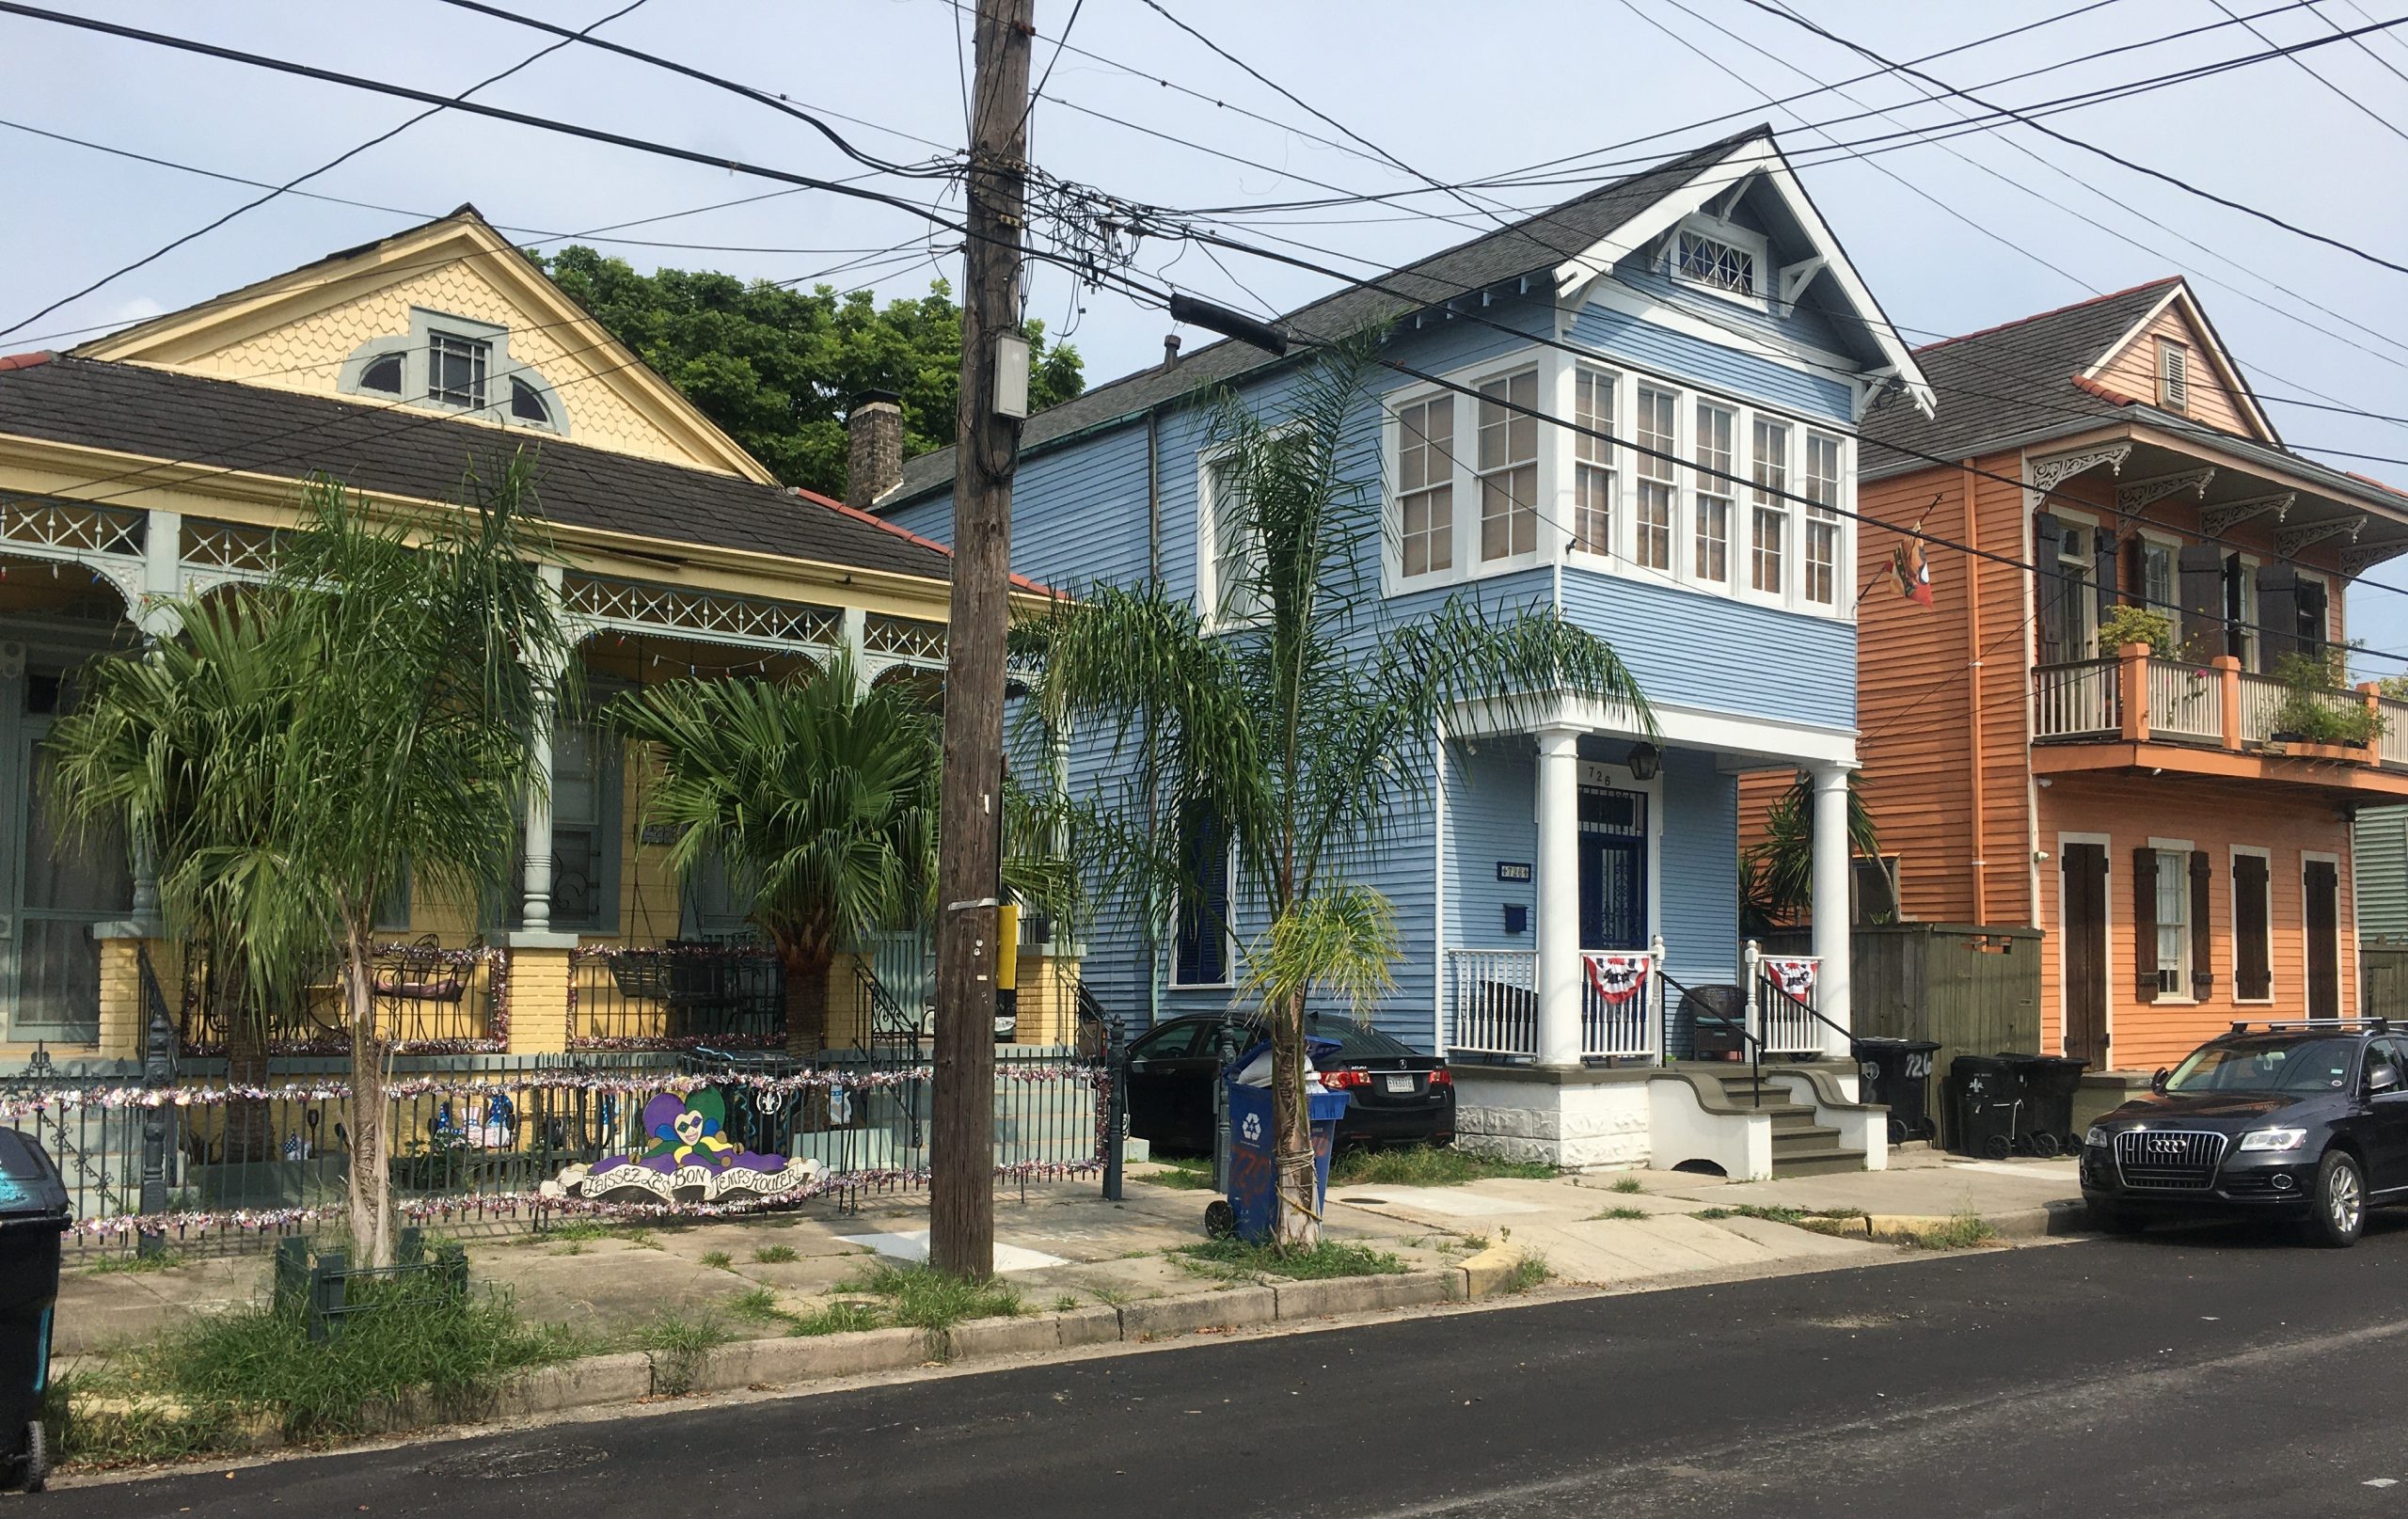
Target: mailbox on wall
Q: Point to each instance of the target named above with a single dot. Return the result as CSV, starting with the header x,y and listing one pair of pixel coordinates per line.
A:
x,y
1517,918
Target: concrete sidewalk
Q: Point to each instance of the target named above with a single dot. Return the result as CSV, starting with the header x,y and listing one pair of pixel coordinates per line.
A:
x,y
1064,1247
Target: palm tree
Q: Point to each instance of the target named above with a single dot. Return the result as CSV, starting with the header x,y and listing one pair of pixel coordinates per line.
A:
x,y
406,659
1306,737
1776,872
817,794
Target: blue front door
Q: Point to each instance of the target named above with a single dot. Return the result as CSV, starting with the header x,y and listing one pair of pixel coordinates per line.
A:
x,y
1613,868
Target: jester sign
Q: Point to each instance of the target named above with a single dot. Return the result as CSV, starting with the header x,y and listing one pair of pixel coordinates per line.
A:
x,y
687,1158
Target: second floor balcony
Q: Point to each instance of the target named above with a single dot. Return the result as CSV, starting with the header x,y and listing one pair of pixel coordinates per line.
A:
x,y
2135,710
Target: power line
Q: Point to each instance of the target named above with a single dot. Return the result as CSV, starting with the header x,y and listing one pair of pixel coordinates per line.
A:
x,y
2308,68
2108,154
337,160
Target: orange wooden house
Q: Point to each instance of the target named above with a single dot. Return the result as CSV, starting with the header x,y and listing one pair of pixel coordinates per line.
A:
x,y
2156,812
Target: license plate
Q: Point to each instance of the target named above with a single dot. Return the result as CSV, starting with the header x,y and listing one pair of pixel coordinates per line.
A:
x,y
1401,1085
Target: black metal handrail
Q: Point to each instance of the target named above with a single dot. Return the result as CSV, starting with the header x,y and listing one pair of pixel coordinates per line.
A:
x,y
1802,1006
889,1021
1755,1046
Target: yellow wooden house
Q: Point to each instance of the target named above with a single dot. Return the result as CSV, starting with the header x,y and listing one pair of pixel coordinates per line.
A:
x,y
158,463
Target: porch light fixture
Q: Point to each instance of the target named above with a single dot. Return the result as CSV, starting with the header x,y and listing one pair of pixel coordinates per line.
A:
x,y
1645,760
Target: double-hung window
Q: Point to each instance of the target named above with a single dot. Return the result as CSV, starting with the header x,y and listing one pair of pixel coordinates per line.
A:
x,y
1200,949
1236,592
1509,466
1592,485
456,370
1425,468
2174,922
1711,557
1652,538
1769,520
1822,537
2157,588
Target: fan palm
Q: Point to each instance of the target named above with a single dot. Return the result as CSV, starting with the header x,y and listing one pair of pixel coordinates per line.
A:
x,y
1305,736
818,795
364,712
1776,872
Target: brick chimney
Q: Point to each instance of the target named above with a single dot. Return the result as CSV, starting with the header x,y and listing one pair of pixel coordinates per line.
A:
x,y
874,461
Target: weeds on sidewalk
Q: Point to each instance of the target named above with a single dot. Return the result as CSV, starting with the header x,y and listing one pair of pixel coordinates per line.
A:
x,y
1425,1165
1628,1185
213,1383
1184,1173
1530,1271
923,1297
678,1344
1234,1260
1964,1231
1628,1213
1778,1215
774,1255
109,1265
718,1260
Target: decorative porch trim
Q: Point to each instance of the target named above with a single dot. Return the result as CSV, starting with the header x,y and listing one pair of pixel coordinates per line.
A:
x,y
600,603
2292,540
2132,500
2047,474
2356,561
2219,520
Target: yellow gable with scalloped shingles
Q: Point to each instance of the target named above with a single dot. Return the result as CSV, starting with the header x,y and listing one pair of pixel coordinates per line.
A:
x,y
319,327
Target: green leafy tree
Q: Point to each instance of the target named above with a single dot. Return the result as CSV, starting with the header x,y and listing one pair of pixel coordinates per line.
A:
x,y
1305,737
819,795
778,368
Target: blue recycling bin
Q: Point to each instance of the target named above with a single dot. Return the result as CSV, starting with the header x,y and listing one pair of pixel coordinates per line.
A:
x,y
1253,1161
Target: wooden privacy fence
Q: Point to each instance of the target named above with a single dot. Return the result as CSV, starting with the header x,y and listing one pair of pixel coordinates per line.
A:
x,y
2383,976
1971,991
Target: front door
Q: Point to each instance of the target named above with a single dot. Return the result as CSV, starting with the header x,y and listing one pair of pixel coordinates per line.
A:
x,y
2084,872
52,892
2324,939
1613,868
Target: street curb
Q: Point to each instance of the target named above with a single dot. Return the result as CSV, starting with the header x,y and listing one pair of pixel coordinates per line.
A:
x,y
2064,1216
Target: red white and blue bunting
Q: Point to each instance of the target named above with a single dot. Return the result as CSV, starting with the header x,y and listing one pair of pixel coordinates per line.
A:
x,y
1617,977
1793,976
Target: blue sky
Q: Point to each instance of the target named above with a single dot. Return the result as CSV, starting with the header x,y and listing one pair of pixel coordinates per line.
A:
x,y
1456,92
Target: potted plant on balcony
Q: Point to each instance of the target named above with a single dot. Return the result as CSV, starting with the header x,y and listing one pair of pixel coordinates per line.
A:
x,y
2137,624
2319,718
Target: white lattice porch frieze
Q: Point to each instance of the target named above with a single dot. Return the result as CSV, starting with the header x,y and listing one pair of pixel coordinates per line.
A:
x,y
2049,473
705,616
907,639
2222,519
72,527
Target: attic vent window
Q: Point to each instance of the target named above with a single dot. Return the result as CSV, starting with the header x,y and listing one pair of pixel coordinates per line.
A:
x,y
456,370
383,374
526,404
1716,264
2173,375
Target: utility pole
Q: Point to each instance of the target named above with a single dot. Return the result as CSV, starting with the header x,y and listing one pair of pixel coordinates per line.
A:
x,y
962,1187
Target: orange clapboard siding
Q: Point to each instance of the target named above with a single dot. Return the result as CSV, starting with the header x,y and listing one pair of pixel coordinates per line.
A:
x,y
2132,372
2130,810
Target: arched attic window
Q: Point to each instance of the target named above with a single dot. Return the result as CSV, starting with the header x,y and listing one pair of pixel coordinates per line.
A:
x,y
527,404
383,374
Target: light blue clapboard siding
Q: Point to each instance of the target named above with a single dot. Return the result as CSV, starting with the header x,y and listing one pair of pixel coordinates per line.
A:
x,y
1492,815
1696,649
1700,876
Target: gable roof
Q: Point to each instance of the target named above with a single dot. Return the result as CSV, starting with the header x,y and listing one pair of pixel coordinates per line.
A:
x,y
460,247
2004,381
211,424
1537,245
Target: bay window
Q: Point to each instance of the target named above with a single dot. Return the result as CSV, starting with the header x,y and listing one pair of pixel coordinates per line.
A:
x,y
1653,543
1769,525
1711,558
1822,493
1592,485
1509,466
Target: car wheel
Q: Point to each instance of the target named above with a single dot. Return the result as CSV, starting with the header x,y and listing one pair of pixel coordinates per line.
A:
x,y
2109,1219
2341,1196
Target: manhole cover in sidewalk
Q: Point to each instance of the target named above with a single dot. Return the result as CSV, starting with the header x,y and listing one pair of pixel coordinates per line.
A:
x,y
1366,1202
503,1464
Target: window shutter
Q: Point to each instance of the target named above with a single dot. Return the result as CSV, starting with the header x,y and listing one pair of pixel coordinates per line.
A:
x,y
2251,975
2048,540
2202,969
2235,635
2202,584
2174,375
2107,555
2312,626
2279,590
2144,924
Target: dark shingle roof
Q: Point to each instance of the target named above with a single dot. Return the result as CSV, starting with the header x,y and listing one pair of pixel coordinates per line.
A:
x,y
2004,382
214,424
1540,242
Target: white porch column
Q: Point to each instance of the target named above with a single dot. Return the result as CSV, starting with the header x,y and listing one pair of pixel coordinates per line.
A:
x,y
1558,894
1832,899
535,834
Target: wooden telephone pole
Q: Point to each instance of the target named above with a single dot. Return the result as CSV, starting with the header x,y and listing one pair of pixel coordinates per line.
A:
x,y
961,1201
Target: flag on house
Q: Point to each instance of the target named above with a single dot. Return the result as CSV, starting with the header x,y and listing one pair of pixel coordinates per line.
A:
x,y
1911,568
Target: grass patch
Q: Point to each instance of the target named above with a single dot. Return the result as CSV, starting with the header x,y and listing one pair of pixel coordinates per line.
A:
x,y
838,1318
1065,1302
641,1238
1966,1231
1532,1271
775,1254
1236,1260
1184,1173
759,1305
111,1265
718,1260
209,1384
925,1298
1629,1213
1777,1216
578,1228
1425,1165
1628,1185
678,1345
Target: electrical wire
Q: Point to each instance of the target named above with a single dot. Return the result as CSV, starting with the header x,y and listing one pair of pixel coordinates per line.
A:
x,y
2309,68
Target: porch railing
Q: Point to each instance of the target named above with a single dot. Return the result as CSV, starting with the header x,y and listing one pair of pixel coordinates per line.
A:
x,y
2262,701
1781,1004
2069,700
2392,746
428,999
1495,1002
678,995
1621,1018
2186,701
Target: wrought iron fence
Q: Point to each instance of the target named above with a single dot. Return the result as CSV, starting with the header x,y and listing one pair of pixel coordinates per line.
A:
x,y
428,999
678,995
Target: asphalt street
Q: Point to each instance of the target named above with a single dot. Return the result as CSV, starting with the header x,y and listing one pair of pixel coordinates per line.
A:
x,y
2197,1373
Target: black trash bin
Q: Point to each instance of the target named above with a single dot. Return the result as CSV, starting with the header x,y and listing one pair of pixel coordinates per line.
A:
x,y
1985,1096
1896,1073
33,1215
2044,1125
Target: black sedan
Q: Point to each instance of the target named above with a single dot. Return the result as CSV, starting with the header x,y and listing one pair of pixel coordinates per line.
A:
x,y
2306,1122
1399,1096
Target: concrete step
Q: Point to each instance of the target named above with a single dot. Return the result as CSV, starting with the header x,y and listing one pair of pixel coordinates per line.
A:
x,y
1811,1139
1816,1163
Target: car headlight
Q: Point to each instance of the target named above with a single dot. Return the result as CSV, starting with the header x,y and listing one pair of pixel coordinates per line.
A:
x,y
2275,1139
2097,1137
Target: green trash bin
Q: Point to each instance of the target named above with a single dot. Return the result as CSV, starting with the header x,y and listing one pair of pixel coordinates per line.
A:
x,y
33,1215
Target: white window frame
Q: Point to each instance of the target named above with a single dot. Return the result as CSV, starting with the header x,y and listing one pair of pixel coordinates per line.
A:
x,y
1704,486
1541,531
2232,911
1652,469
1393,451
2251,645
1754,245
1553,460
2179,850
1610,462
1842,481
2172,606
2088,523
1790,583
1208,550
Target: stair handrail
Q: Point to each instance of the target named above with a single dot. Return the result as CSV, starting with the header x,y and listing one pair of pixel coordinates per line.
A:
x,y
1755,1045
1804,1006
887,1017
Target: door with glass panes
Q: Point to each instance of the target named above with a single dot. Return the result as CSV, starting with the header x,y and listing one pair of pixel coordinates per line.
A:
x,y
55,886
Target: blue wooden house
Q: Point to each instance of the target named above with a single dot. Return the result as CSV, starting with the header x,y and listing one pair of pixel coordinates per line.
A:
x,y
1700,326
